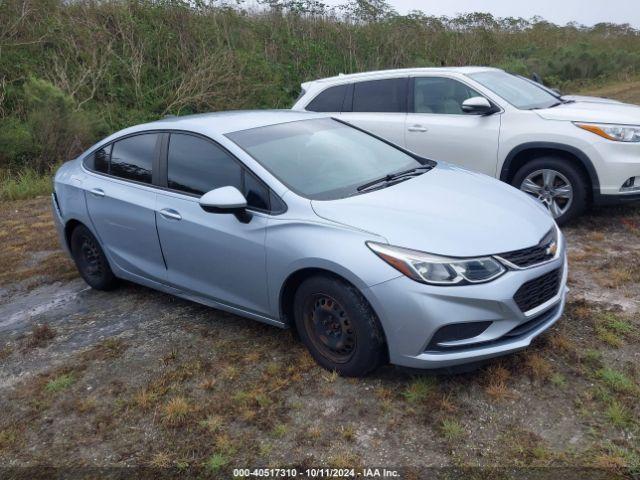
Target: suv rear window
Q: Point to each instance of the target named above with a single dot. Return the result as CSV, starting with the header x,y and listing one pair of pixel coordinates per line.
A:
x,y
387,95
330,100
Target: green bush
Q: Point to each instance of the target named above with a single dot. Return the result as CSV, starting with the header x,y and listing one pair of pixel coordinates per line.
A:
x,y
25,184
71,72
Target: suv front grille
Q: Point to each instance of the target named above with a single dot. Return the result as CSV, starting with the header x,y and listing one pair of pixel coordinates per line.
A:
x,y
527,257
539,290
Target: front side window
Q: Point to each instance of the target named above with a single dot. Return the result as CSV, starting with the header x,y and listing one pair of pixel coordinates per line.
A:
x,y
329,100
132,157
387,95
322,158
196,165
517,91
440,95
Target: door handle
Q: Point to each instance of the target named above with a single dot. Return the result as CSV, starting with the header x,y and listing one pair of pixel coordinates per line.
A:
x,y
97,192
417,128
170,213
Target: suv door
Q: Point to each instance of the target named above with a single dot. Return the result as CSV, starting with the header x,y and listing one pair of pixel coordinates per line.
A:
x,y
378,106
212,255
121,203
437,128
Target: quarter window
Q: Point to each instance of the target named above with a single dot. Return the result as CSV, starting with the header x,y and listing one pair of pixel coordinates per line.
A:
x,y
98,161
440,95
132,157
380,95
330,100
196,166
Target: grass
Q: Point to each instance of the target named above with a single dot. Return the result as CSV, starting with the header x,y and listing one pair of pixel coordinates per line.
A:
x,y
176,411
26,184
216,461
451,429
40,336
618,414
420,389
616,381
61,382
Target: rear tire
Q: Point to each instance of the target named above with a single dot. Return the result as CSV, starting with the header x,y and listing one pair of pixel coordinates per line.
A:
x,y
91,260
557,183
338,326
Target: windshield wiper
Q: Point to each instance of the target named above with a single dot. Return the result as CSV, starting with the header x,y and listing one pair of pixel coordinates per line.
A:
x,y
393,178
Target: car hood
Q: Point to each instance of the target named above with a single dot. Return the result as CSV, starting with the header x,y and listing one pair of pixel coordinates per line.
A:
x,y
622,113
589,99
446,211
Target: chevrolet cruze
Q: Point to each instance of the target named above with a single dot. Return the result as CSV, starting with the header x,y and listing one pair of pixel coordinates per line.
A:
x,y
370,252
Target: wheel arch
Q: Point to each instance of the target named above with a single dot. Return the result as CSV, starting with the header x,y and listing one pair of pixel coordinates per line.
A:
x,y
521,154
295,279
69,227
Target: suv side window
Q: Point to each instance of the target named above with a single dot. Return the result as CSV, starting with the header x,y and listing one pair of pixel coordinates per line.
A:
x,y
196,165
440,95
132,157
387,95
329,100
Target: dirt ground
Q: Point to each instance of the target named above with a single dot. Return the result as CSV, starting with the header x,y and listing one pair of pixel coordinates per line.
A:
x,y
136,378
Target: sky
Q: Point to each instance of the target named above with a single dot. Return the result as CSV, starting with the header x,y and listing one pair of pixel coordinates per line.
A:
x,y
586,12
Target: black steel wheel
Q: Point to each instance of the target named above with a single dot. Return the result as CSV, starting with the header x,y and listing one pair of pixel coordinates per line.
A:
x,y
91,260
338,326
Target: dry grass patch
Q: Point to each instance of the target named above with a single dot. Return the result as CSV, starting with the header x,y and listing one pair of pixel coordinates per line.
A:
x,y
176,411
40,336
538,366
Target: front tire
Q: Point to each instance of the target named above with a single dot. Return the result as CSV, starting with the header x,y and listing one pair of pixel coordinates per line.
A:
x,y
91,260
557,184
338,326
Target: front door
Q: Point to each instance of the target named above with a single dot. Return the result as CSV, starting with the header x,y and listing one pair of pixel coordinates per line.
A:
x,y
212,255
437,128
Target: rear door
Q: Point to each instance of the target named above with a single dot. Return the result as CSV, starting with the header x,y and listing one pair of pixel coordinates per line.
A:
x,y
212,255
437,128
121,203
378,106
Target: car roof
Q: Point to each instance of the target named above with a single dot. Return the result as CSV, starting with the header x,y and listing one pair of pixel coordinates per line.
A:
x,y
395,72
220,123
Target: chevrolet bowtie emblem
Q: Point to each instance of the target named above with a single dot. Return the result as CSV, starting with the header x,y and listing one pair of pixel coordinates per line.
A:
x,y
552,249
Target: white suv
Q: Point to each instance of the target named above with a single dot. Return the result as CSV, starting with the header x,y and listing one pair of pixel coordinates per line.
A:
x,y
565,153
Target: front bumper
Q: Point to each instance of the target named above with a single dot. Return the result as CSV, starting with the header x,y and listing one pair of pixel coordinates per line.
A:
x,y
411,312
615,163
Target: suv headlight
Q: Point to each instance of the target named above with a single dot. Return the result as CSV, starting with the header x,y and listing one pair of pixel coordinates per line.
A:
x,y
436,270
617,133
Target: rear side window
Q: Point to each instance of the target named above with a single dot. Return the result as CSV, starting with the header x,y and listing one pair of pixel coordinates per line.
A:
x,y
132,157
330,100
98,161
380,95
196,165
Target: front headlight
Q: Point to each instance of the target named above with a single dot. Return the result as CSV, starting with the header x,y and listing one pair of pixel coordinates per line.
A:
x,y
436,270
617,133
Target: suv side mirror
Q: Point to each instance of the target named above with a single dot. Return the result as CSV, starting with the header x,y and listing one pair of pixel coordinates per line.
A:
x,y
226,200
477,106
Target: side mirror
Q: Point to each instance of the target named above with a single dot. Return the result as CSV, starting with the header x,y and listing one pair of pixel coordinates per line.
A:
x,y
226,200
477,106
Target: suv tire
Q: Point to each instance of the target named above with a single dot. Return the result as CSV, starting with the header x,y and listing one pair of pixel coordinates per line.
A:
x,y
557,183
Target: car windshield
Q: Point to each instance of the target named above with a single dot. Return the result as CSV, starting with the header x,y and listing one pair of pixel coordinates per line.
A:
x,y
517,91
322,158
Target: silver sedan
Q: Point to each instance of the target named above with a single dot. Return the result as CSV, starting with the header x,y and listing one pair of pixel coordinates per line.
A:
x,y
372,253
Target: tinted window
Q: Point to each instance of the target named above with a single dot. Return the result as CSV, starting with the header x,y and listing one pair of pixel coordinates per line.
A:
x,y
440,95
322,158
98,161
380,96
132,157
329,100
196,165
